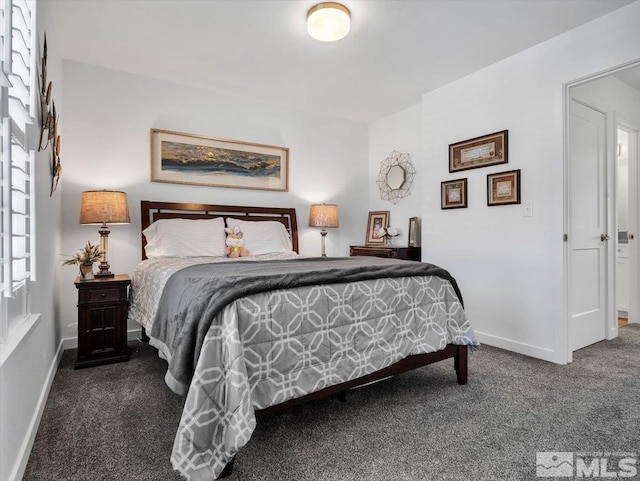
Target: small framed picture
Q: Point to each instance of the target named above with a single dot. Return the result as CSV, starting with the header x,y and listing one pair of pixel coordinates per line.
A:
x,y
503,188
377,220
413,232
454,194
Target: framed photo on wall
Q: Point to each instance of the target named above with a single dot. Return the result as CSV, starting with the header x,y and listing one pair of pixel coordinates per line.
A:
x,y
503,188
454,194
180,158
491,149
377,220
412,232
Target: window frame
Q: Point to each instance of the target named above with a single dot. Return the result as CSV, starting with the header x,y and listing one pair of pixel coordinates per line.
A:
x,y
17,182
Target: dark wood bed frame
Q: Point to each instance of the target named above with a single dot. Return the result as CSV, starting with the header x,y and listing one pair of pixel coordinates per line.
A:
x,y
153,211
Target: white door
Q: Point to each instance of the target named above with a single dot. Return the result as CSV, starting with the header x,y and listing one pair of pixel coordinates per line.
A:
x,y
588,226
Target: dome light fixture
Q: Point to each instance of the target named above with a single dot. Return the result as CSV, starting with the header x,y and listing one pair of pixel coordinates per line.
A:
x,y
328,21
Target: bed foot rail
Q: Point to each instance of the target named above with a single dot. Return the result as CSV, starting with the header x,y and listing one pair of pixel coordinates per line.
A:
x,y
460,364
228,469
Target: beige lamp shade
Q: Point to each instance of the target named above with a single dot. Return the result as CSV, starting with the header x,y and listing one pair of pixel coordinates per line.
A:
x,y
323,215
104,206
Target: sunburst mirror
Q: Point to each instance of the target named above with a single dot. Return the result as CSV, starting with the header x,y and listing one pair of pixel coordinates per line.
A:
x,y
395,177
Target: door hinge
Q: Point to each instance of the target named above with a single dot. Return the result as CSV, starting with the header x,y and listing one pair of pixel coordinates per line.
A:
x,y
565,237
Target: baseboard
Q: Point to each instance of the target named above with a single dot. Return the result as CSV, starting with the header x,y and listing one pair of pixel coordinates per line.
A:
x,y
72,342
27,445
519,347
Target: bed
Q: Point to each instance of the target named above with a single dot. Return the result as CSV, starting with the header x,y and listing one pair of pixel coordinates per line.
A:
x,y
246,337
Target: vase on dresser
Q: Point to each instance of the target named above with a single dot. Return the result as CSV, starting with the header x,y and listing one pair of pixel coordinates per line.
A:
x,y
86,272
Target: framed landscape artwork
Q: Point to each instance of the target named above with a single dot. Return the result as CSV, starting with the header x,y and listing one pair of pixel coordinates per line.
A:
x,y
491,149
198,160
453,194
377,220
503,188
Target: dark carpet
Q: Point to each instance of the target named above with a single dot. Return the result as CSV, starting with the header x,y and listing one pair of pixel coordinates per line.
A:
x,y
117,422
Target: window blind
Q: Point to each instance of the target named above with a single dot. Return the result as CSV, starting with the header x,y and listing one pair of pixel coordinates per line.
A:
x,y
17,107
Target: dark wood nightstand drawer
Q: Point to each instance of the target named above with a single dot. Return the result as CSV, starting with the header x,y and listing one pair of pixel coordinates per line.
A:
x,y
103,295
405,253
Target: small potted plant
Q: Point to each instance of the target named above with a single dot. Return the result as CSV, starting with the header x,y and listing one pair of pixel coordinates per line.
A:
x,y
85,258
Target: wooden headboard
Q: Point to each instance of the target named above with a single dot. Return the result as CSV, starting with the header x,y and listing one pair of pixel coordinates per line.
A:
x,y
153,211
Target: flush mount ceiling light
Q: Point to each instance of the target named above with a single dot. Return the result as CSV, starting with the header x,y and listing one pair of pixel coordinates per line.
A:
x,y
328,21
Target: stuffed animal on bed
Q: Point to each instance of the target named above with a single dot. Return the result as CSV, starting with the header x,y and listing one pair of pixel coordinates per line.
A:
x,y
235,243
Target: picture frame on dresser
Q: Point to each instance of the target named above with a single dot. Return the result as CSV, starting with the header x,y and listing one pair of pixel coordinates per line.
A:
x,y
412,233
377,220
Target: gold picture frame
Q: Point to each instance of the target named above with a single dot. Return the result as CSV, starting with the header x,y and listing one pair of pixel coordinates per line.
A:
x,y
503,188
180,158
490,149
377,220
453,194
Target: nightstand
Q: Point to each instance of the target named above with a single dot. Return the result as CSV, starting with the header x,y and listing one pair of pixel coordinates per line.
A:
x,y
405,253
102,320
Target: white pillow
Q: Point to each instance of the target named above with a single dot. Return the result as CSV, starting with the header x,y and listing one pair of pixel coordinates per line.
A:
x,y
185,238
262,236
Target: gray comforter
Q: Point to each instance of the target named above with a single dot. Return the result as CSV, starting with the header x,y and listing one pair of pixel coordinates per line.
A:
x,y
194,295
245,336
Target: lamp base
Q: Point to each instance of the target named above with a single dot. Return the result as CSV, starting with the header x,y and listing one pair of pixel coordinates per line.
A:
x,y
103,270
323,233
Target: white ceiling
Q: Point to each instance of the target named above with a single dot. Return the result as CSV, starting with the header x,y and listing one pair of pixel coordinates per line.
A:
x,y
395,52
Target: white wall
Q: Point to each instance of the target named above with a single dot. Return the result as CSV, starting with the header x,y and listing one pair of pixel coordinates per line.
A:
x,y
106,144
26,374
510,267
400,132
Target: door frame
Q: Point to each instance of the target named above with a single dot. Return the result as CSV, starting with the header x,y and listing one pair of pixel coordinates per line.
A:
x,y
611,321
622,123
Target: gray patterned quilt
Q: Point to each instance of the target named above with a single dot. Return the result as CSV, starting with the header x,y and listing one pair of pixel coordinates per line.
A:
x,y
246,336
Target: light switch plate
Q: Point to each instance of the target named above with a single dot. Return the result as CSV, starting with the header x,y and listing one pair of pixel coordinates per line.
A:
x,y
528,209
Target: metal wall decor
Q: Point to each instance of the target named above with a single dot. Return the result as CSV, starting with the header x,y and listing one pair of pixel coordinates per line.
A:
x,y
395,177
49,122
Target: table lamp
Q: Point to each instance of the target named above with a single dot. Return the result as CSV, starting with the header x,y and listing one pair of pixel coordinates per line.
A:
x,y
323,215
104,207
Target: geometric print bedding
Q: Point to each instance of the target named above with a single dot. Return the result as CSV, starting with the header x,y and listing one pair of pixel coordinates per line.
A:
x,y
150,277
270,347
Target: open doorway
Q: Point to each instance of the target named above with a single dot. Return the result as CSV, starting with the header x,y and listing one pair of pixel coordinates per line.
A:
x,y
602,200
627,221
